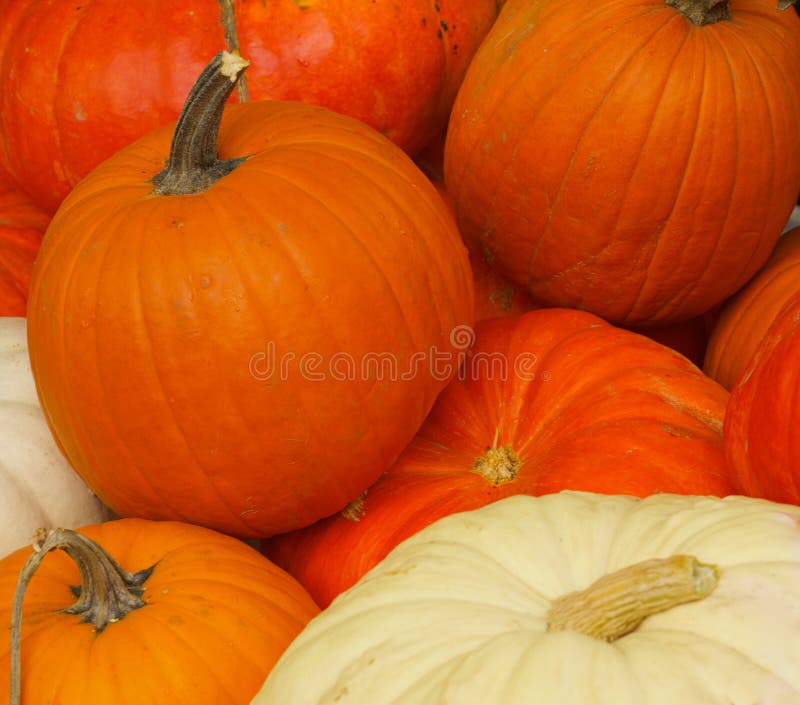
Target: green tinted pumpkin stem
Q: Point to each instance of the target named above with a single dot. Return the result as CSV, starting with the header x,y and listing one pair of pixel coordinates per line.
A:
x,y
193,165
107,591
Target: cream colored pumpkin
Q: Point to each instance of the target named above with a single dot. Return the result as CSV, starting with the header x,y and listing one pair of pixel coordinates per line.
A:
x,y
37,486
459,613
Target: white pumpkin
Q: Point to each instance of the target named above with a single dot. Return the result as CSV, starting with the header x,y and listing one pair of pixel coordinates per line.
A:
x,y
459,613
38,488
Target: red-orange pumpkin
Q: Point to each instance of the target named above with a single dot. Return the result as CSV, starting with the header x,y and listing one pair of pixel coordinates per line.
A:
x,y
168,612
81,80
620,157
689,338
213,348
762,439
21,228
746,317
554,399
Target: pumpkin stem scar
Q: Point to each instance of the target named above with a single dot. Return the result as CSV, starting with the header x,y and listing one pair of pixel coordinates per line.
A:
x,y
193,165
107,593
228,21
702,12
497,465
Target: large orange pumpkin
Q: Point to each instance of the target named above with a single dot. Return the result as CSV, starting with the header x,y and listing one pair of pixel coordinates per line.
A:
x,y
554,399
167,612
762,439
745,318
637,159
245,344
22,226
81,80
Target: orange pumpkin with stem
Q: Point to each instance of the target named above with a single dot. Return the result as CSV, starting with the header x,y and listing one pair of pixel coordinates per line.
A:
x,y
194,330
165,612
555,399
635,159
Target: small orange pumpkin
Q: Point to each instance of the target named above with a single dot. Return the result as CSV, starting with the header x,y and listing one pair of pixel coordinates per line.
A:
x,y
180,614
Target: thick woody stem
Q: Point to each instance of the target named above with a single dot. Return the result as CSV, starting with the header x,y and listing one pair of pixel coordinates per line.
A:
x,y
617,603
107,591
193,165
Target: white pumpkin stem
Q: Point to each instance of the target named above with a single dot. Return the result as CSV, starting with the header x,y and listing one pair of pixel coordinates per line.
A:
x,y
107,591
617,603
193,165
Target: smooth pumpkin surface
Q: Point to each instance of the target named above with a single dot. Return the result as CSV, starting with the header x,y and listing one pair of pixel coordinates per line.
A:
x,y
22,227
82,80
618,158
37,485
216,617
762,443
216,357
551,400
460,612
745,318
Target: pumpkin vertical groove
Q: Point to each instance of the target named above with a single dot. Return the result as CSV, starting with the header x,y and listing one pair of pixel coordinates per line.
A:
x,y
613,81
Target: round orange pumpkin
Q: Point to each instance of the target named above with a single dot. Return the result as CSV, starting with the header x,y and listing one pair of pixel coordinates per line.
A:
x,y
555,399
165,612
745,318
762,440
22,226
635,159
208,339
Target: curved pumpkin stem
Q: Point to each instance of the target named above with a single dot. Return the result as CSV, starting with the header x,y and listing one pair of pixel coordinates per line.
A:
x,y
193,165
107,592
617,603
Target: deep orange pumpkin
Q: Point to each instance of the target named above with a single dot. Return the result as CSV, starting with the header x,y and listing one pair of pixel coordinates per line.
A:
x,y
762,442
617,157
250,356
203,623
554,399
22,226
81,80
689,338
746,317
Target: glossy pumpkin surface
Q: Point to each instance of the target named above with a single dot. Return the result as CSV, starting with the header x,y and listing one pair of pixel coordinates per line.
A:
x,y
551,400
745,318
82,80
762,443
22,227
618,158
217,615
216,357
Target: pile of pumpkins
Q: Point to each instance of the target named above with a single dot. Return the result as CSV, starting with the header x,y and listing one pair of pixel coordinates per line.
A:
x,y
426,352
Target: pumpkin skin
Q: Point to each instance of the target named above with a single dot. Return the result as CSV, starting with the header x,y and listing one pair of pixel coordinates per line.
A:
x,y
83,80
22,226
37,485
689,338
458,613
745,318
601,409
218,616
619,159
761,440
170,336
